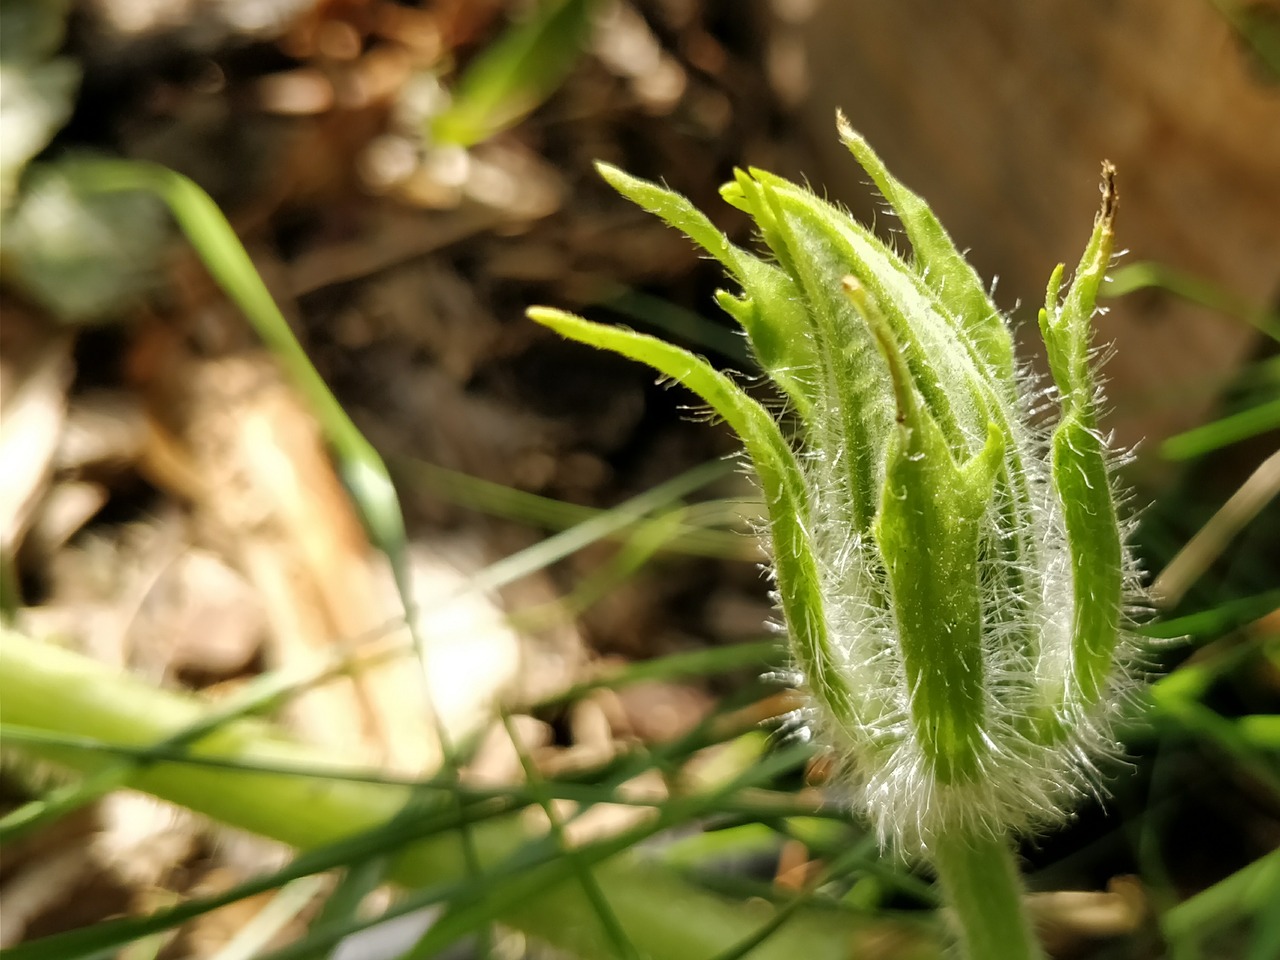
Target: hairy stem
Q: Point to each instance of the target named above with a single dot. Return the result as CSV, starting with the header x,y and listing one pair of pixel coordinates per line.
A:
x,y
980,880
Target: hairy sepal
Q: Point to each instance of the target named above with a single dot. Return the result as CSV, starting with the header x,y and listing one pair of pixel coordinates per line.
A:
x,y
778,336
928,533
938,261
795,568
1079,464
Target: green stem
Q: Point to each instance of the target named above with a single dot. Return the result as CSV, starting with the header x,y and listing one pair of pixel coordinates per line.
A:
x,y
981,883
1254,889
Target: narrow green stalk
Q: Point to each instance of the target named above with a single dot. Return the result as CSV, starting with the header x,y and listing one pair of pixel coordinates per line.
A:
x,y
1255,889
359,464
980,879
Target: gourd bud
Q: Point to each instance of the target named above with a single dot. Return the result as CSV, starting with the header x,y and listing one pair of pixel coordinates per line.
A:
x,y
953,575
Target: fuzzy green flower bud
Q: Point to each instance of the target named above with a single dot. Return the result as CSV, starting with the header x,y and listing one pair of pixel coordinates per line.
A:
x,y
952,573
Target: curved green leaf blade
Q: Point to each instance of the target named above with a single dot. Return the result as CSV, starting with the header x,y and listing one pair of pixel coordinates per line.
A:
x,y
780,479
771,311
516,73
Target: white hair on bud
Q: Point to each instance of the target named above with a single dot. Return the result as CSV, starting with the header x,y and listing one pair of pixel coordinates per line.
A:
x,y
1024,784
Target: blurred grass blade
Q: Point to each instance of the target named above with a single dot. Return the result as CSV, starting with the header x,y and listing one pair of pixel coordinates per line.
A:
x,y
267,923
691,663
1147,275
226,259
681,935
635,552
260,694
431,941
516,73
109,935
861,851
1209,542
499,500
1222,433
1251,891
1261,731
1258,27
358,881
1225,737
605,524
51,689
609,922
360,465
1217,620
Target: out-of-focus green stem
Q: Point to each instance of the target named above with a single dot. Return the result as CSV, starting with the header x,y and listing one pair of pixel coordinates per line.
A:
x,y
982,886
1255,889
46,688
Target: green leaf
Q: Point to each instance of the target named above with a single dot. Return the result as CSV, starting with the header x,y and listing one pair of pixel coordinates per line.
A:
x,y
39,90
516,73
83,255
677,211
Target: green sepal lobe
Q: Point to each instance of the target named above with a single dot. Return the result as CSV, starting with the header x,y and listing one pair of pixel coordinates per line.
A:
x,y
796,568
941,265
928,531
1079,468
779,334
